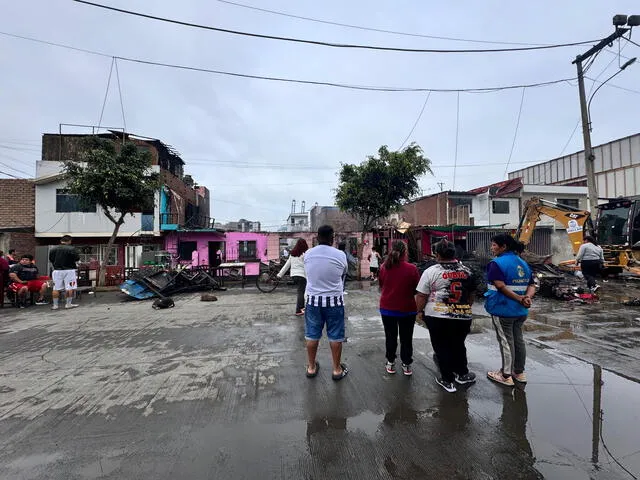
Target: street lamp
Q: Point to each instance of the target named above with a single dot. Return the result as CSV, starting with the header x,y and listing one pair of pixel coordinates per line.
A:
x,y
619,21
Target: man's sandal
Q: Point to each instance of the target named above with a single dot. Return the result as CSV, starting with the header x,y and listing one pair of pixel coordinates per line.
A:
x,y
342,374
315,373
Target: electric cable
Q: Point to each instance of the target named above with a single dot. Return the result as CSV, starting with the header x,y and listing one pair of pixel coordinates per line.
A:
x,y
106,93
9,175
329,44
515,133
377,30
455,157
124,122
417,121
292,80
631,41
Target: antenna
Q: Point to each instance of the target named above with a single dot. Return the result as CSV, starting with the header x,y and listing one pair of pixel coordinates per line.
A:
x,y
441,185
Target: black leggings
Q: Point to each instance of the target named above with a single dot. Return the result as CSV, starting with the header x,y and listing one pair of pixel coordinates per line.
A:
x,y
403,326
301,282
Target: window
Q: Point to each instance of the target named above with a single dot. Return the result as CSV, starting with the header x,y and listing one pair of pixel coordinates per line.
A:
x,y
247,250
500,206
93,254
67,202
185,249
457,202
570,202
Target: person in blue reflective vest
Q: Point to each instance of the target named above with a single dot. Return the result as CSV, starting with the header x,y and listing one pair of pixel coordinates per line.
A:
x,y
508,299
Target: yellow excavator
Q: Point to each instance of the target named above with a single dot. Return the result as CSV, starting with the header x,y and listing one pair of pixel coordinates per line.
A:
x,y
576,221
617,229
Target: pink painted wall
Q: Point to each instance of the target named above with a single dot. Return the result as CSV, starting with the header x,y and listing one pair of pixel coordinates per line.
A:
x,y
202,240
267,246
261,239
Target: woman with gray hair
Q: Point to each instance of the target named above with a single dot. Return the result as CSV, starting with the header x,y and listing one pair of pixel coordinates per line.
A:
x,y
445,295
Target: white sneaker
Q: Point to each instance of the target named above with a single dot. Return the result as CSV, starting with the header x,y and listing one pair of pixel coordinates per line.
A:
x,y
55,307
71,305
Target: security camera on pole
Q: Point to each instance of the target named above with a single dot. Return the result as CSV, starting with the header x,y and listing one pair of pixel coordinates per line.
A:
x,y
619,21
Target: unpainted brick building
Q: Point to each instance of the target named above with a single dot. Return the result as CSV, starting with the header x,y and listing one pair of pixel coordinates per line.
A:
x,y
17,215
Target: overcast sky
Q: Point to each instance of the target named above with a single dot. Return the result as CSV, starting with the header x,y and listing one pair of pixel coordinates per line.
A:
x,y
257,144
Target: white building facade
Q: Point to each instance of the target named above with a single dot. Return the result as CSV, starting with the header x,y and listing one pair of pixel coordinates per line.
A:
x,y
57,213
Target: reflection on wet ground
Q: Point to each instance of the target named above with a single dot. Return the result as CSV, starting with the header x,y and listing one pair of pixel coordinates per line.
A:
x,y
141,394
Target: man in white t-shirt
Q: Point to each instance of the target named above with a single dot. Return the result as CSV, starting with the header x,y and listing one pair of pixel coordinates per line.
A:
x,y
325,267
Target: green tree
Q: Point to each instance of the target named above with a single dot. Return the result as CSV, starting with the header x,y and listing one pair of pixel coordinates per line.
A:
x,y
381,184
119,180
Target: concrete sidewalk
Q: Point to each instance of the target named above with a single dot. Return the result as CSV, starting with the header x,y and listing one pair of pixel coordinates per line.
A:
x,y
217,390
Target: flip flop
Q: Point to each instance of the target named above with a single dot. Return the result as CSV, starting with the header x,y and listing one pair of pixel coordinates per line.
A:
x,y
342,374
314,374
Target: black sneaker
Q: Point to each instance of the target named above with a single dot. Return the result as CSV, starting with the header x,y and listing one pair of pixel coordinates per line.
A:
x,y
466,378
448,386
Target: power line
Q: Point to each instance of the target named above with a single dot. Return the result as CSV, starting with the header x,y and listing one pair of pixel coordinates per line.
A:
x,y
20,149
291,80
106,93
455,157
233,164
343,85
631,41
589,94
330,44
14,168
9,175
54,44
415,124
515,134
124,121
378,30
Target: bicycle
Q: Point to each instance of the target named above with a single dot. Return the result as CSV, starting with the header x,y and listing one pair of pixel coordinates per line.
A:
x,y
267,280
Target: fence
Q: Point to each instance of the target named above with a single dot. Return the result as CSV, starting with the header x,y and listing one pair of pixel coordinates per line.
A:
x,y
479,241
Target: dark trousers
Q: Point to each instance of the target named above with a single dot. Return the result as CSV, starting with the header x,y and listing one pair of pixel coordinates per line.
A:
x,y
511,341
447,339
590,268
301,282
404,326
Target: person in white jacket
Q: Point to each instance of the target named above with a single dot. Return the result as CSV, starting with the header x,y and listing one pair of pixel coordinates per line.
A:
x,y
295,262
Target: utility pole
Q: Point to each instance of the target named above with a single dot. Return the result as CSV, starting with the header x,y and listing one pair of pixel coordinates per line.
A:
x,y
589,157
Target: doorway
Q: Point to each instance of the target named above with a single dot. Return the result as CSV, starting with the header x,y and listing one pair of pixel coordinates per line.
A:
x,y
217,253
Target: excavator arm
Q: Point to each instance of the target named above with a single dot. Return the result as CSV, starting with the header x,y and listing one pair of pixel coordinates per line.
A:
x,y
573,220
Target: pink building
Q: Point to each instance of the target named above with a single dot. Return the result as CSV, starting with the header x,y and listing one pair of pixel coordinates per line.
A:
x,y
212,247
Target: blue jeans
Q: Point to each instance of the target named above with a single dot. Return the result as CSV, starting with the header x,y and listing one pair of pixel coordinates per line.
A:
x,y
315,319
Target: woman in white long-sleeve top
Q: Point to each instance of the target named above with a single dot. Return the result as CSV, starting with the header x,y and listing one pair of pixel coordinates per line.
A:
x,y
295,262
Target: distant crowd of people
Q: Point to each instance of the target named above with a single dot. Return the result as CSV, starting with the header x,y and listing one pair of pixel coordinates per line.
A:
x,y
442,298
21,278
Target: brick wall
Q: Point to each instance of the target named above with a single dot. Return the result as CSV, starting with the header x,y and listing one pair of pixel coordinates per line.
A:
x,y
21,242
17,203
424,211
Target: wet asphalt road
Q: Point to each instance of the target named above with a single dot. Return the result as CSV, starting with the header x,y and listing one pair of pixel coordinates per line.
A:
x,y
217,391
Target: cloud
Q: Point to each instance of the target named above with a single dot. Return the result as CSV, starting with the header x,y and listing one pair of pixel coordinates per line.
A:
x,y
226,128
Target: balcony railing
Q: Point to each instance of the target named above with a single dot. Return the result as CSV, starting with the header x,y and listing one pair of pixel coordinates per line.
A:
x,y
193,222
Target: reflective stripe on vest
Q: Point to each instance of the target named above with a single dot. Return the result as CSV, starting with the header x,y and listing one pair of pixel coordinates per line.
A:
x,y
514,288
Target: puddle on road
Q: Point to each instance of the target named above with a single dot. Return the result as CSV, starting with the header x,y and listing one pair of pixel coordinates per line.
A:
x,y
558,416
